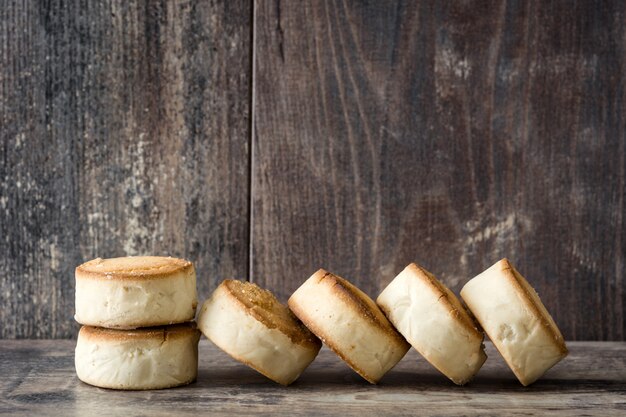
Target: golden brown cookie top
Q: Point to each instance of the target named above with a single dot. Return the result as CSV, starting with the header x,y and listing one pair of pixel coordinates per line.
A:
x,y
133,267
158,333
263,306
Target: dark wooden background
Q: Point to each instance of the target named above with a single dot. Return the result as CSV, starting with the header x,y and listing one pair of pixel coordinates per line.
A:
x,y
266,139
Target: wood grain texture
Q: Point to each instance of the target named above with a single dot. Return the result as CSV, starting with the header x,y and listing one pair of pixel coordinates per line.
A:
x,y
448,133
39,378
125,130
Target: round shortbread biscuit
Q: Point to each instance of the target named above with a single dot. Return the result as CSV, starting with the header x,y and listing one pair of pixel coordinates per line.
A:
x,y
516,321
249,324
434,322
151,358
132,292
349,323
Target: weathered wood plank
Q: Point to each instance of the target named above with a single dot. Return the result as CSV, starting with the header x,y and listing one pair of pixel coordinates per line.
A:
x,y
451,134
448,133
38,377
124,130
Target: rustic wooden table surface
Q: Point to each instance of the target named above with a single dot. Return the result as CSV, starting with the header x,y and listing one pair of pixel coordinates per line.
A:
x,y
38,378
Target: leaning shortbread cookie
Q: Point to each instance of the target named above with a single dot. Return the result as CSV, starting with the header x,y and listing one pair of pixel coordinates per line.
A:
x,y
434,322
132,292
516,321
349,323
249,324
150,358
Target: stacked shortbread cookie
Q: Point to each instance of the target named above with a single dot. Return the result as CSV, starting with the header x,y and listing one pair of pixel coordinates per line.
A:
x,y
512,315
349,323
137,315
434,322
250,325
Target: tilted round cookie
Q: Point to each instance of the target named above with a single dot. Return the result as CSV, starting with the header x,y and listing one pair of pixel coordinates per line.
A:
x,y
516,321
249,324
349,323
151,358
434,322
132,292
